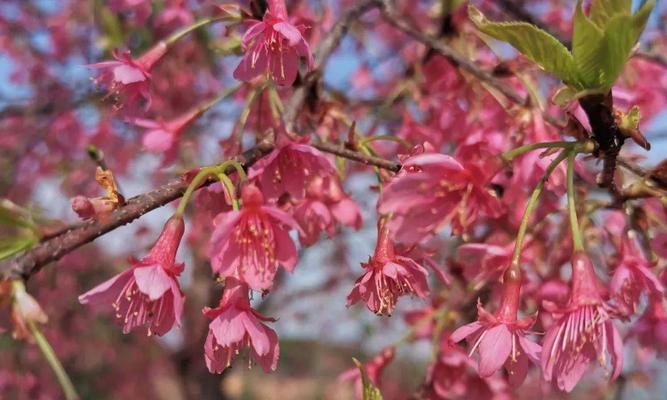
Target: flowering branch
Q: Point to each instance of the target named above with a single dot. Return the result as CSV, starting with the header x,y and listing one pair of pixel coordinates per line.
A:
x,y
605,129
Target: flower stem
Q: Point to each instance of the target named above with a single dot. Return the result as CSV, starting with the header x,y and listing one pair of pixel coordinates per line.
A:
x,y
201,176
237,166
54,363
223,95
390,138
175,37
577,240
511,154
534,197
229,186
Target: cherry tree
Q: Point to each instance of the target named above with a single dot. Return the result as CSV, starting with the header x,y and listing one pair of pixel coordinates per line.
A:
x,y
491,160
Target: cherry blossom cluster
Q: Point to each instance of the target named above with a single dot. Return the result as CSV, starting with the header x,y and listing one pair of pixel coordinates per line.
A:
x,y
531,252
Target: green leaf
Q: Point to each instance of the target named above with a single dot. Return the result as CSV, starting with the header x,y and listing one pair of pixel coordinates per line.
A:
x,y
586,42
568,94
602,11
370,391
630,120
620,36
14,245
13,215
534,43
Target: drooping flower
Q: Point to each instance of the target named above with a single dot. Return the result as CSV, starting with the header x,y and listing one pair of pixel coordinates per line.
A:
x,y
452,376
127,79
25,310
374,369
500,338
288,167
273,46
632,277
235,325
659,244
651,328
250,244
162,136
324,205
148,293
388,276
583,333
484,261
432,190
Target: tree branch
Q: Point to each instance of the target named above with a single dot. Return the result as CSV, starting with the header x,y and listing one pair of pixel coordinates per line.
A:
x,y
322,54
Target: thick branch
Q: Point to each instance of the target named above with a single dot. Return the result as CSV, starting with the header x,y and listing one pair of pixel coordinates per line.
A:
x,y
53,249
24,265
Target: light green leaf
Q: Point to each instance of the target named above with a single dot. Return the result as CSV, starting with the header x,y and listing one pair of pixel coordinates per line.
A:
x,y
534,43
568,94
14,245
630,120
370,391
586,42
602,11
12,215
621,34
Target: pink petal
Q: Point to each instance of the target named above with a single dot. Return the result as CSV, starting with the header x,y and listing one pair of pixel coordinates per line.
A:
x,y
285,249
107,292
127,74
258,334
153,281
465,331
289,31
158,140
494,348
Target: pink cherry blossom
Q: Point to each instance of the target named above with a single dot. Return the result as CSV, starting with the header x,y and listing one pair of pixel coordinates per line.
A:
x,y
484,261
127,79
162,136
632,277
500,338
235,325
388,276
452,376
659,244
273,46
324,205
148,293
287,167
374,369
250,244
651,328
583,333
431,191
